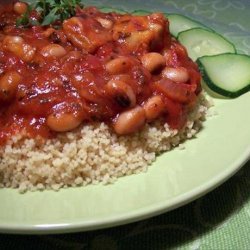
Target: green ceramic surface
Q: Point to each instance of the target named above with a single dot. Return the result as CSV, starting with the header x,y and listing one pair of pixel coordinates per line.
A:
x,y
176,178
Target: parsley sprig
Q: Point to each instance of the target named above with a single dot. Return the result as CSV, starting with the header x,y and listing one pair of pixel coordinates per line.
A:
x,y
49,11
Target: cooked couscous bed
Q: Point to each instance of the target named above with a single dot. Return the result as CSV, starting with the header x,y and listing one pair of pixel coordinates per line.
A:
x,y
91,98
92,153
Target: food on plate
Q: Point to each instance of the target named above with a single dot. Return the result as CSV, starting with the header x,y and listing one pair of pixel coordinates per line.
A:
x,y
224,78
90,96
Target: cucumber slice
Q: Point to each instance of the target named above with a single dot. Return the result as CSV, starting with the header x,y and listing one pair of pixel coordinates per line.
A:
x,y
110,9
200,42
226,74
179,23
141,13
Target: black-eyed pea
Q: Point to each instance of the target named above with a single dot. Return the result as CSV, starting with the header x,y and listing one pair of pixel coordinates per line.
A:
x,y
118,65
19,47
8,85
53,50
153,107
62,122
121,92
130,121
179,74
153,61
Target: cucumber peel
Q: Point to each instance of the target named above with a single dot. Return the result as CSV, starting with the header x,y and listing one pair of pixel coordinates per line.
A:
x,y
200,42
226,74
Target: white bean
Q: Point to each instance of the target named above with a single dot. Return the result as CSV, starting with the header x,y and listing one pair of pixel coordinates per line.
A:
x,y
179,74
130,121
153,61
121,92
63,122
19,47
8,85
118,65
53,50
153,107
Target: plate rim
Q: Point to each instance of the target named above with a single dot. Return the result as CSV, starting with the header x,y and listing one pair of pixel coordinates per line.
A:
x,y
135,215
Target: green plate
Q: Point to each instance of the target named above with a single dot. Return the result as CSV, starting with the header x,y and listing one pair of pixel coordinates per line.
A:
x,y
176,178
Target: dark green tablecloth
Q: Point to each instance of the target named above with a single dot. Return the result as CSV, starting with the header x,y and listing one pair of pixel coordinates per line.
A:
x,y
219,220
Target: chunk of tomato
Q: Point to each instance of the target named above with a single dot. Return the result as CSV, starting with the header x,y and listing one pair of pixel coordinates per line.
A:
x,y
176,114
179,92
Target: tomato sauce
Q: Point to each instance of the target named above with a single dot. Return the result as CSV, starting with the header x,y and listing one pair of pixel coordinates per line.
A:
x,y
46,72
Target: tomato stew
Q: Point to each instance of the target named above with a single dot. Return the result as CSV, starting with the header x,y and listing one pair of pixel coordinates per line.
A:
x,y
121,69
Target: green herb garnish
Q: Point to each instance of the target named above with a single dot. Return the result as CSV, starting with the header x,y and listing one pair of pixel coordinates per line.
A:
x,y
49,11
